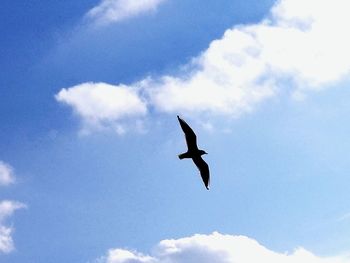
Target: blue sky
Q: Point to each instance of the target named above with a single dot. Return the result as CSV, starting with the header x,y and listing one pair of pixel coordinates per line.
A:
x,y
89,138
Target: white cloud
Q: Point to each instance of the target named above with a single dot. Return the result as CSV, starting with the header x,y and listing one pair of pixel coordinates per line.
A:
x,y
110,11
7,208
122,255
101,105
6,241
216,248
6,174
301,46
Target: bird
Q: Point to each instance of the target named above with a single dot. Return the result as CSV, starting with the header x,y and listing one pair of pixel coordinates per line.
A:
x,y
194,153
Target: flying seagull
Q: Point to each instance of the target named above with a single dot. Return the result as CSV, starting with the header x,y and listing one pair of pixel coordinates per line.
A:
x,y
193,152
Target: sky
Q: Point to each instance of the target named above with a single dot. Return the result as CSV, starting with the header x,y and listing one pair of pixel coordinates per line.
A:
x,y
89,137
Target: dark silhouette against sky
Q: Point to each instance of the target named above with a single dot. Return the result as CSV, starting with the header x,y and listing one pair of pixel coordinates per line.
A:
x,y
193,152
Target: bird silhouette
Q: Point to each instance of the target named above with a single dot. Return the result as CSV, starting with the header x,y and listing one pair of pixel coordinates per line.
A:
x,y
193,152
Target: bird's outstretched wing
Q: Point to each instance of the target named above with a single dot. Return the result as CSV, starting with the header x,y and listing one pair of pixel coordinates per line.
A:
x,y
191,138
203,169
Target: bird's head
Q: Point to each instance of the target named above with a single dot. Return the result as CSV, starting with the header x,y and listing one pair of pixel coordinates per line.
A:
x,y
202,152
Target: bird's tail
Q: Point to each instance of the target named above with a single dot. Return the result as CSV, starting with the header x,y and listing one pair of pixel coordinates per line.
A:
x,y
182,156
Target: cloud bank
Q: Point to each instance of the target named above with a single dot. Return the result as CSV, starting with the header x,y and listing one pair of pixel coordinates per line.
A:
x,y
6,174
216,248
111,11
301,46
7,208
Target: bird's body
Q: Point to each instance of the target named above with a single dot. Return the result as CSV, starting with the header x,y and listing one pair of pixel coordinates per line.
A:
x,y
193,152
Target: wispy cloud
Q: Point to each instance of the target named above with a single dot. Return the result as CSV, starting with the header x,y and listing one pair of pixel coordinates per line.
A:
x,y
300,46
111,11
6,174
344,217
7,208
217,248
